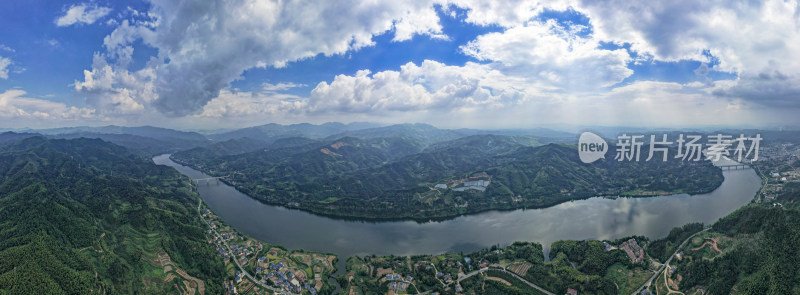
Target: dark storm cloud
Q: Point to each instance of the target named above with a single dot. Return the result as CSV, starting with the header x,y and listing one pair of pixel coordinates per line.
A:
x,y
774,89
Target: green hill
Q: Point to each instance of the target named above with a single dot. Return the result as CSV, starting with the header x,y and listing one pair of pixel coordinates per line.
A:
x,y
397,177
85,216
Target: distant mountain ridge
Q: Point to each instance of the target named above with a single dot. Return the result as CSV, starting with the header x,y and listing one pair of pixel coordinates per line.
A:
x,y
11,137
423,133
156,140
367,176
144,131
145,139
272,132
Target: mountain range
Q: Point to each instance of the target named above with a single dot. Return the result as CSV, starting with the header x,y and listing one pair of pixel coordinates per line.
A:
x,y
418,171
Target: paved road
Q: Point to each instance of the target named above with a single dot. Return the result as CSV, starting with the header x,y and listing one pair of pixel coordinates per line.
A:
x,y
259,283
664,266
482,270
437,278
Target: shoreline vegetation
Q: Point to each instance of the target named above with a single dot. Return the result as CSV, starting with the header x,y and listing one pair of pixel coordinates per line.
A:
x,y
256,266
85,214
736,253
322,191
448,217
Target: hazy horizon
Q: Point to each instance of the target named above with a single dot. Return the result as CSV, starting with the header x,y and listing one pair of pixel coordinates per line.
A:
x,y
561,128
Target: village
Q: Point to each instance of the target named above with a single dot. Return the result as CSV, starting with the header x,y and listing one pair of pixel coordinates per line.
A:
x,y
399,274
779,168
774,185
259,268
255,267
448,273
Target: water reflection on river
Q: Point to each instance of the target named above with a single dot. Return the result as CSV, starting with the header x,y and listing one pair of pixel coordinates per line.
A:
x,y
595,218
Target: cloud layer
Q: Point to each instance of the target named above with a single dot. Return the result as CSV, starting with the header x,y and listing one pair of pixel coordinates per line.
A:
x,y
14,105
4,64
530,61
83,13
552,55
431,85
203,46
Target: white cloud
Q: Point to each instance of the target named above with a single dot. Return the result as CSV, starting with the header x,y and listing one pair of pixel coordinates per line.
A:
x,y
280,86
536,65
431,85
550,54
509,13
744,35
758,40
479,96
203,46
54,43
4,64
14,105
378,97
237,104
82,13
6,48
418,22
117,91
753,39
654,103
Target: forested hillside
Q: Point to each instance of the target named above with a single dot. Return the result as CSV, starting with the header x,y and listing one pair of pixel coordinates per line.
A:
x,y
409,177
755,251
85,216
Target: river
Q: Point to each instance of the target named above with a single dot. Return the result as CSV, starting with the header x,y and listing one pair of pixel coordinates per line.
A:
x,y
594,218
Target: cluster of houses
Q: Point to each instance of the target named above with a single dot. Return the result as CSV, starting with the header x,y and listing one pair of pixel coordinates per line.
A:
x,y
634,251
774,187
396,277
286,280
236,250
276,272
221,251
449,263
218,241
398,283
241,251
448,279
230,288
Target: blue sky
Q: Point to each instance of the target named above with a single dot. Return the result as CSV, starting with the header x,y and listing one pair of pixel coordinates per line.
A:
x,y
385,55
458,63
49,57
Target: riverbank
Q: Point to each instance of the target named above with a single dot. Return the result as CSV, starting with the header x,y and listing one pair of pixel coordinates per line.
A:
x,y
430,214
593,218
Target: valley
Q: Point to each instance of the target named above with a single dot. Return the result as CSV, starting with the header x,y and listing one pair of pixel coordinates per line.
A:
x,y
245,243
413,176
